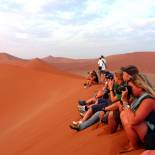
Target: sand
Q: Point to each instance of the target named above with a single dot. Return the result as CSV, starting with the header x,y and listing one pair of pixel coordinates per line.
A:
x,y
38,102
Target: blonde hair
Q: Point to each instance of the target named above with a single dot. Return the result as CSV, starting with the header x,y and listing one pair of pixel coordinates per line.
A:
x,y
142,81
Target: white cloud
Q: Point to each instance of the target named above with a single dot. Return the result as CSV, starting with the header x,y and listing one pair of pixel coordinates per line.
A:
x,y
21,35
93,6
99,22
65,15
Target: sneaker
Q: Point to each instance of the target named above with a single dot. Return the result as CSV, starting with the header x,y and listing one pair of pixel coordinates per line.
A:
x,y
81,109
74,127
82,114
76,122
79,106
82,102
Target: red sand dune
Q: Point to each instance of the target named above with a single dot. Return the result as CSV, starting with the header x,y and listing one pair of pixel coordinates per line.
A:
x,y
10,59
76,66
144,60
36,108
82,66
39,65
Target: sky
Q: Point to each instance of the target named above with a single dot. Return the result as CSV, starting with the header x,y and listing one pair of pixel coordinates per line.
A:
x,y
76,28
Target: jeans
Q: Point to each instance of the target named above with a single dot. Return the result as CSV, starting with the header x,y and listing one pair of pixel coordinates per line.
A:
x,y
92,120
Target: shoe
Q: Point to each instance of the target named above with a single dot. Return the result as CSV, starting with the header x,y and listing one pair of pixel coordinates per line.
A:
x,y
75,122
74,127
85,85
82,102
82,114
81,109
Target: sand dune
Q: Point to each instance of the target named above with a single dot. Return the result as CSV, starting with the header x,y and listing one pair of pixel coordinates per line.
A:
x,y
10,59
82,66
31,103
36,112
38,102
143,60
39,65
76,66
114,62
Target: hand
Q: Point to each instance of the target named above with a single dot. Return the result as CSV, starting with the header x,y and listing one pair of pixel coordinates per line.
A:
x,y
124,95
110,84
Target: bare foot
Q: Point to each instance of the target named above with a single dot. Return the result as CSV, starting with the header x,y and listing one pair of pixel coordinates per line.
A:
x,y
128,148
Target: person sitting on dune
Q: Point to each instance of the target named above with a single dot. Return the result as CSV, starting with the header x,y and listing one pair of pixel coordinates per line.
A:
x,y
114,110
91,79
105,76
83,105
138,118
115,95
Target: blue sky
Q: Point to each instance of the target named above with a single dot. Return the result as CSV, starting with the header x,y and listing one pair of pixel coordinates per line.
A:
x,y
76,28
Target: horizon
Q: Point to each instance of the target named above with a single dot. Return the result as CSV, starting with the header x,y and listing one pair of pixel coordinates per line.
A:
x,y
46,56
71,29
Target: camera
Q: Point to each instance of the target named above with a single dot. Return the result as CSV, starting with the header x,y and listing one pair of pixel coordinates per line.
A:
x,y
122,88
106,93
109,76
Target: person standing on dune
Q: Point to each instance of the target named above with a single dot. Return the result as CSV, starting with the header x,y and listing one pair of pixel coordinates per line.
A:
x,y
102,64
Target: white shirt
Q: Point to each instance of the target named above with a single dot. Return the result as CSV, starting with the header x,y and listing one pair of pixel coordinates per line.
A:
x,y
102,63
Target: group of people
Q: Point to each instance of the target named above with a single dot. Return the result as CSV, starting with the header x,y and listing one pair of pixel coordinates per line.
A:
x,y
126,100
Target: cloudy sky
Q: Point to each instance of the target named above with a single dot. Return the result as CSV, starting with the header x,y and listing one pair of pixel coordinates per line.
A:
x,y
76,28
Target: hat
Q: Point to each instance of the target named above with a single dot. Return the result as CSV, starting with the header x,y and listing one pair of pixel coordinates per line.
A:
x,y
131,70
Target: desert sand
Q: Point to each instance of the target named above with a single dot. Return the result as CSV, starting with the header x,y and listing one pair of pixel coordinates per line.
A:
x,y
38,102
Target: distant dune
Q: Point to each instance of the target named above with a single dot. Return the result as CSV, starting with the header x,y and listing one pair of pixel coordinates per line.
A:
x,y
39,99
76,66
81,66
39,65
10,59
143,60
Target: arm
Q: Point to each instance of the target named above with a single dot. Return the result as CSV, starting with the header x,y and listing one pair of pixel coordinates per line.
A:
x,y
99,94
112,96
110,86
114,106
142,112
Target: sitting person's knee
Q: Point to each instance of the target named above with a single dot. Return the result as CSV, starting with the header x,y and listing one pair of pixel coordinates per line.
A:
x,y
122,115
111,116
112,123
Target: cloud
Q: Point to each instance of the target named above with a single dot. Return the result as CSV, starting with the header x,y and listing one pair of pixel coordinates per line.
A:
x,y
82,25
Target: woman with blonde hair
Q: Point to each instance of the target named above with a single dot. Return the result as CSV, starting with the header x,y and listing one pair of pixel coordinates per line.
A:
x,y
138,118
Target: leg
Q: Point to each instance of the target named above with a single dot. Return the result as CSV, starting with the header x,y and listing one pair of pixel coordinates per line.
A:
x,y
92,120
130,131
148,152
141,130
116,105
101,114
91,100
112,123
133,132
87,115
